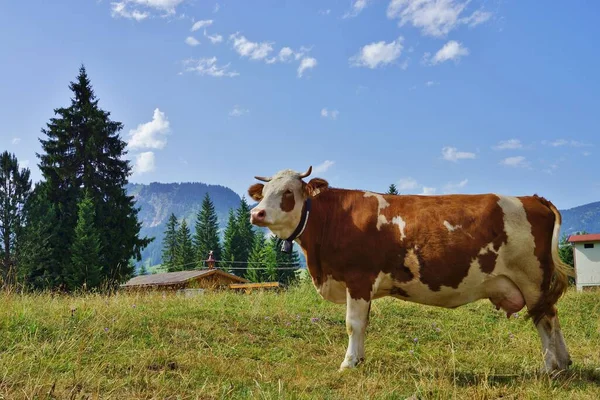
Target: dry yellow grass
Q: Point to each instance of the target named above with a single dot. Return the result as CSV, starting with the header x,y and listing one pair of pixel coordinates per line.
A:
x,y
288,345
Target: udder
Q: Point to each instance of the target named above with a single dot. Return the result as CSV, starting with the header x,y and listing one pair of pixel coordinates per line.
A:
x,y
504,294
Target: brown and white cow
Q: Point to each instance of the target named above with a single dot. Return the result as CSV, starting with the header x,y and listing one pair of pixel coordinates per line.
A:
x,y
444,251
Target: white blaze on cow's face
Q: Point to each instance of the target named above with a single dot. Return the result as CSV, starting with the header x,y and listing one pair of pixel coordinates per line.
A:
x,y
281,200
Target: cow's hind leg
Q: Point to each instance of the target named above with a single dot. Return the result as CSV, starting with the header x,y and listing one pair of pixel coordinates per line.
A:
x,y
357,317
556,354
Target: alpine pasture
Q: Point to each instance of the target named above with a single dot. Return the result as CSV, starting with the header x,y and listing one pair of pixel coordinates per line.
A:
x,y
282,345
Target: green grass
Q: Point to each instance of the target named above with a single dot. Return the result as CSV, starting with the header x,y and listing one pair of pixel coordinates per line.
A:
x,y
268,345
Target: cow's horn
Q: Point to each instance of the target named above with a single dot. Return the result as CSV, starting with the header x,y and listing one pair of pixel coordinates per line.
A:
x,y
262,178
307,173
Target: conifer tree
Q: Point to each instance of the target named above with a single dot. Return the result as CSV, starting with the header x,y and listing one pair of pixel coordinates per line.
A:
x,y
288,264
36,255
84,270
83,149
143,269
269,255
256,260
243,238
206,237
169,252
229,245
184,256
392,189
15,188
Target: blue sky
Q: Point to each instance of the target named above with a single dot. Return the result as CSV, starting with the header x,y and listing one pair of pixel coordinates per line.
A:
x,y
437,96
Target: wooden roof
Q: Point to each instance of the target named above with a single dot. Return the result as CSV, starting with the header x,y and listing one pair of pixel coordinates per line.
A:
x,y
176,278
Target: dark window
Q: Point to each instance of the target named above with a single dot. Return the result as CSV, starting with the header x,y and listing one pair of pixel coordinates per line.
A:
x,y
588,246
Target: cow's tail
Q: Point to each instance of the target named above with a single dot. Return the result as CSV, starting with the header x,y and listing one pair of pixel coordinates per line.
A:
x,y
560,272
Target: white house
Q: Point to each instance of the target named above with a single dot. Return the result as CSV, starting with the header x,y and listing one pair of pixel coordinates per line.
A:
x,y
586,253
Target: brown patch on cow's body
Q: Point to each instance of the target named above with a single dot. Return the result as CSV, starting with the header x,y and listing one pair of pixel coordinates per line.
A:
x,y
487,261
345,225
541,218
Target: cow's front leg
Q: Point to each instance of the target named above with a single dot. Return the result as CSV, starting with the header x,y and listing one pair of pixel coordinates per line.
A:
x,y
357,317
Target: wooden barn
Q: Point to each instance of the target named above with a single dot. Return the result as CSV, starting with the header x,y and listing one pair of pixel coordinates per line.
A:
x,y
183,280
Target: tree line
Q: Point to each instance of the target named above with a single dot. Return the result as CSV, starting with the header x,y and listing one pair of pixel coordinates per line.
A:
x,y
244,250
77,227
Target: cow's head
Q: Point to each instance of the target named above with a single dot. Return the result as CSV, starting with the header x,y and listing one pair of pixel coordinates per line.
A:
x,y
281,199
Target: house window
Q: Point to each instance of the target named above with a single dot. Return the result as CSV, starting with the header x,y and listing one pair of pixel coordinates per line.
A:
x,y
588,246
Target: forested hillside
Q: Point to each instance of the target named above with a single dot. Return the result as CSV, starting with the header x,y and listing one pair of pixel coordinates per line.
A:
x,y
158,200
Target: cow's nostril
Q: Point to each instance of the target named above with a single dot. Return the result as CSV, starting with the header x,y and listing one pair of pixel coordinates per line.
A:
x,y
261,214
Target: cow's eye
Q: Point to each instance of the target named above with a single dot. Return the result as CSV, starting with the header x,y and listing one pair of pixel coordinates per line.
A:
x,y
287,192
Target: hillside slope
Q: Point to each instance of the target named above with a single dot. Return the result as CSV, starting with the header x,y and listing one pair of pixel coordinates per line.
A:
x,y
158,200
582,218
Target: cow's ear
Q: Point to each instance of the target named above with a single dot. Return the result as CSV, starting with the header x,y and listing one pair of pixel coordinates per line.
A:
x,y
255,191
316,186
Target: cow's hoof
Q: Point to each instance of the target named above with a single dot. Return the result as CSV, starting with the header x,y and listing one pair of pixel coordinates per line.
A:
x,y
349,363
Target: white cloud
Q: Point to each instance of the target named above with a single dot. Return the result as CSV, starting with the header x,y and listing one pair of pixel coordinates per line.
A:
x,y
214,39
407,184
478,17
451,187
124,8
325,12
377,54
452,50
322,168
208,66
434,17
201,24
509,144
144,163
151,135
356,8
333,114
428,190
216,8
517,161
586,153
452,154
119,9
564,142
431,83
306,63
252,50
16,141
285,54
192,41
238,111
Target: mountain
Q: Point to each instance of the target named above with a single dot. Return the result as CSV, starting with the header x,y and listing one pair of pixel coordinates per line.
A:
x,y
158,200
582,218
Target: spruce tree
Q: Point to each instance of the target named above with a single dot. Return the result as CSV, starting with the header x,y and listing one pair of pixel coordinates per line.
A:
x,y
184,256
269,255
143,269
288,264
84,270
392,189
229,235
169,251
256,260
83,149
36,253
206,237
15,188
243,238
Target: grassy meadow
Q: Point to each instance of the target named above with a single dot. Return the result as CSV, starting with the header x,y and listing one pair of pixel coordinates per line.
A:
x,y
287,345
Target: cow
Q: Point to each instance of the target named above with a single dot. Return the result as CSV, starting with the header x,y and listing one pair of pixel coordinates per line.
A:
x,y
444,250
